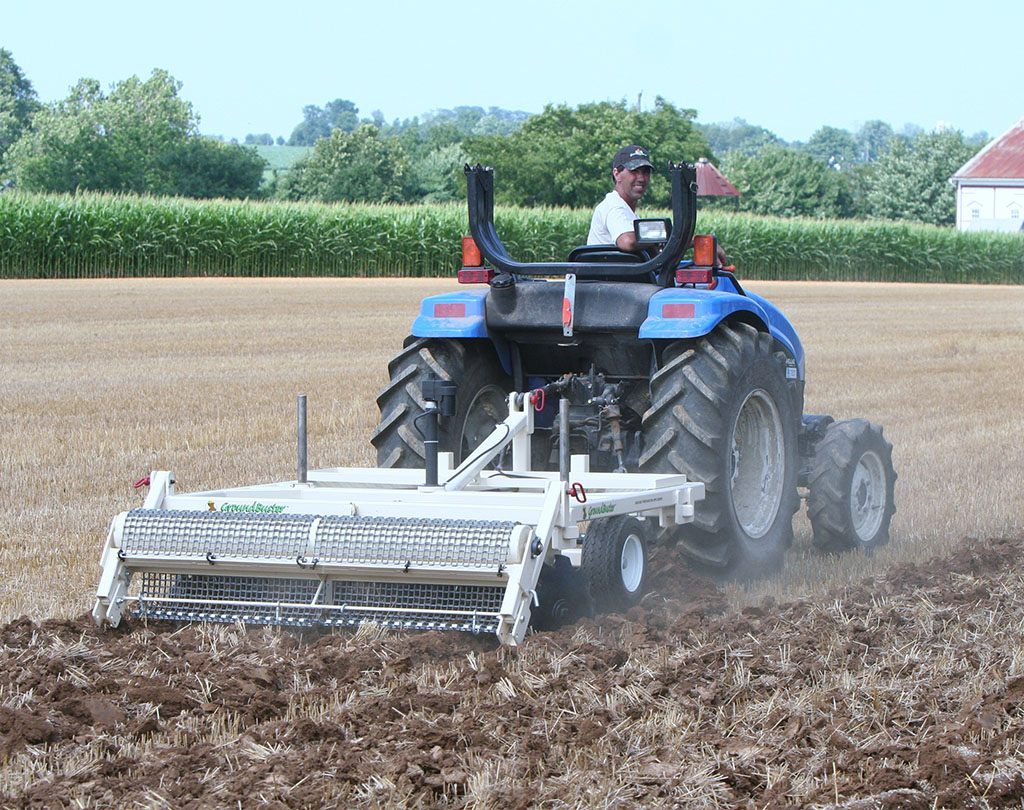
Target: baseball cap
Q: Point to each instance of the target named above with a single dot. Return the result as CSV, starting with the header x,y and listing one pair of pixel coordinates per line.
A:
x,y
632,157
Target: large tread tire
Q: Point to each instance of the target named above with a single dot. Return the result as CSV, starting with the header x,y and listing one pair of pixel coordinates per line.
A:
x,y
615,562
722,413
850,502
480,398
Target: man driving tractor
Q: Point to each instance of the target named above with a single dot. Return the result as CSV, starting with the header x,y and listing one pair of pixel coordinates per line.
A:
x,y
612,222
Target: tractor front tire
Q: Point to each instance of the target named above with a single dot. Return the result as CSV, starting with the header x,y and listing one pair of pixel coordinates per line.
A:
x,y
722,413
615,562
481,395
850,501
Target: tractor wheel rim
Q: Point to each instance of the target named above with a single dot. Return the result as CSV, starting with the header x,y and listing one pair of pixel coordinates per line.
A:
x,y
484,412
868,496
758,463
632,559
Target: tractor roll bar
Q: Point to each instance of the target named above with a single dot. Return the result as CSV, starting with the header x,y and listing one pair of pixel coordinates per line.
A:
x,y
480,193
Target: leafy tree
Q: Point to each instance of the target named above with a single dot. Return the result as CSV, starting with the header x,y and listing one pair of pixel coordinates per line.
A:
x,y
979,139
207,168
444,127
359,166
563,155
320,122
115,142
17,101
834,146
141,137
911,181
460,121
263,139
738,136
873,139
438,176
909,132
499,122
433,146
786,182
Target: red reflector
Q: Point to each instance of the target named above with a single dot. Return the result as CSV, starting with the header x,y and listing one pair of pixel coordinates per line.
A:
x,y
470,253
449,310
688,275
678,310
476,275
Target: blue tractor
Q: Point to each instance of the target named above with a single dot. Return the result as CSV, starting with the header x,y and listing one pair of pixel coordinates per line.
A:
x,y
669,366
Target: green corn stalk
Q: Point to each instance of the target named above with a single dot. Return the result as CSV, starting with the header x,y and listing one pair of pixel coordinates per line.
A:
x,y
106,235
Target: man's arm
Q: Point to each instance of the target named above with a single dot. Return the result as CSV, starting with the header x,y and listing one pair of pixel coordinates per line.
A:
x,y
620,225
626,241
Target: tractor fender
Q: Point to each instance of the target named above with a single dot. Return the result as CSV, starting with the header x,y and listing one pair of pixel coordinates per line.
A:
x,y
694,312
458,315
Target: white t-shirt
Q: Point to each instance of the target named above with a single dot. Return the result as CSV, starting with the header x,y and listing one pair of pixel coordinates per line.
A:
x,y
612,218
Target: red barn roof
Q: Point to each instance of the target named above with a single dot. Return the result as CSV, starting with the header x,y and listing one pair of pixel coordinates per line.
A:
x,y
712,183
1002,159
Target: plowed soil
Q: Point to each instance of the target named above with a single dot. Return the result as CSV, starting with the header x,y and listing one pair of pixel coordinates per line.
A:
x,y
904,691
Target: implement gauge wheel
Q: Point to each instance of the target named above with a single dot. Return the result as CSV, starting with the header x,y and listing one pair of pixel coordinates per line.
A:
x,y
852,479
722,413
481,399
615,562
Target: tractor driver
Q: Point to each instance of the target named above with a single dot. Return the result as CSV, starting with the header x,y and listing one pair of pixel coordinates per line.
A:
x,y
613,218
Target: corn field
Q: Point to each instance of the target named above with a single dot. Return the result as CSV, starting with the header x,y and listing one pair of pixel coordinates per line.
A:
x,y
111,236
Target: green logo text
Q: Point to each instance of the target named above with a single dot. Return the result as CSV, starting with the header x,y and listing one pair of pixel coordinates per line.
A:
x,y
252,507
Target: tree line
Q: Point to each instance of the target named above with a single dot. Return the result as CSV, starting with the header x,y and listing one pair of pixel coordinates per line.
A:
x,y
873,173
142,137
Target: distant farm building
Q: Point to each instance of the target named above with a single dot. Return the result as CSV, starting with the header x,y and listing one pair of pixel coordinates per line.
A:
x,y
711,182
990,186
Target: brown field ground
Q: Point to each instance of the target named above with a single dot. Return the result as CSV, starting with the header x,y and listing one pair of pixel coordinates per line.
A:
x,y
895,680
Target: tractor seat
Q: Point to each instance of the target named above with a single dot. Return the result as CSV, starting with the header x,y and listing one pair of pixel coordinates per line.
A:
x,y
607,253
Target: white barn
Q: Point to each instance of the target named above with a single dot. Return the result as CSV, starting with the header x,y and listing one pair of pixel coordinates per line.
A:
x,y
990,186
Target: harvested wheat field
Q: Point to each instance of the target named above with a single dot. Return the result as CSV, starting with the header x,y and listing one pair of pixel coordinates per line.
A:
x,y
895,680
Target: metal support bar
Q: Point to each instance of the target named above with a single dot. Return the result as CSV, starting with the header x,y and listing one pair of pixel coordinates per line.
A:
x,y
430,428
303,469
563,439
500,438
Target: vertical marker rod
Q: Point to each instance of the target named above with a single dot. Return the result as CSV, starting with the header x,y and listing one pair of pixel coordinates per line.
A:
x,y
430,439
563,439
302,439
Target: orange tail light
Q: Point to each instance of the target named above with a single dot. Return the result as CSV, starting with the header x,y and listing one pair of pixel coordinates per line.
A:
x,y
470,253
704,250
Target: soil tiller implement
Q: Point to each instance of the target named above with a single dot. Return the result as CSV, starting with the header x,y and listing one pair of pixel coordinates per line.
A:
x,y
478,547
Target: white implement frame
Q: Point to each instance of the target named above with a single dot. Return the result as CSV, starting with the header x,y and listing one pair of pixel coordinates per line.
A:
x,y
548,506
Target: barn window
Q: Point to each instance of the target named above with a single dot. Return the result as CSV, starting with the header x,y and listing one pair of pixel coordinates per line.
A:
x,y
975,213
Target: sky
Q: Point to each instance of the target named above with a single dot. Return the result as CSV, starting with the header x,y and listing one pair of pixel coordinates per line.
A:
x,y
792,67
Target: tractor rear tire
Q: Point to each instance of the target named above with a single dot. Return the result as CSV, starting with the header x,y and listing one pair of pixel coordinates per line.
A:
x,y
481,395
615,562
850,502
722,413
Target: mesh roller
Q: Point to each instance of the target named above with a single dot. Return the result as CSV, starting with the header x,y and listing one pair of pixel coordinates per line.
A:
x,y
227,534
287,601
342,539
424,541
